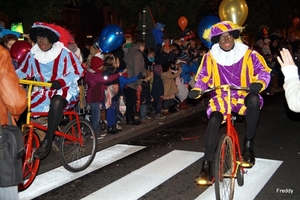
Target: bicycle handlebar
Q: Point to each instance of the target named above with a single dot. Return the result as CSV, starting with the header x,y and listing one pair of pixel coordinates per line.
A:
x,y
35,83
196,94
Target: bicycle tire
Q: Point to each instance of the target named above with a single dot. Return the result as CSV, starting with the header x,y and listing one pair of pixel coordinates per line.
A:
x,y
29,167
72,156
240,176
224,166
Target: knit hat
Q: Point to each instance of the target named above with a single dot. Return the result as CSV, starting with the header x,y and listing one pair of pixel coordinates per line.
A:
x,y
220,28
183,56
96,64
159,25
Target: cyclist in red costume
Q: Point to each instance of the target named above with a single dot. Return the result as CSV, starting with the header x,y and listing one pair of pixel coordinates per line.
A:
x,y
230,62
49,60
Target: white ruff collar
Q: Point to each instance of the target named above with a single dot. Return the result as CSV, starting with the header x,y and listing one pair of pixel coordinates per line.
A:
x,y
228,58
48,56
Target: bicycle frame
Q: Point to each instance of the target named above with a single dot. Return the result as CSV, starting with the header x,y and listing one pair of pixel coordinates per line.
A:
x,y
31,124
232,133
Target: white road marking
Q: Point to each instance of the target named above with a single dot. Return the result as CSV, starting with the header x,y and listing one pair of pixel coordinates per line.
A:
x,y
254,180
57,177
143,180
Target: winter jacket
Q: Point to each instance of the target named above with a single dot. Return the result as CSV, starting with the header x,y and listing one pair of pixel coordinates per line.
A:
x,y
12,96
96,85
134,60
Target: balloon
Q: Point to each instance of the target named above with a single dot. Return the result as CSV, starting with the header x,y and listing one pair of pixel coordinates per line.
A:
x,y
111,38
206,23
296,21
182,22
19,50
233,10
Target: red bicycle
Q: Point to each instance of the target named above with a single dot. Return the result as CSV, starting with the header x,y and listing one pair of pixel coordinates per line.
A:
x,y
228,162
77,140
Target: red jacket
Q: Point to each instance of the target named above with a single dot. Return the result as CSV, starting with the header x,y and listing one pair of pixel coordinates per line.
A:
x,y
96,85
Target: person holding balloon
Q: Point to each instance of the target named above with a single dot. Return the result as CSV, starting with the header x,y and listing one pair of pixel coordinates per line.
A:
x,y
50,60
230,62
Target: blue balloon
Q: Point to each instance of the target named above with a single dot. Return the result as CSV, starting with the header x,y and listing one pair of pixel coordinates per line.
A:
x,y
111,38
206,23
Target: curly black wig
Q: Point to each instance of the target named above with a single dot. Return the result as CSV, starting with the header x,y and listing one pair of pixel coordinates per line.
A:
x,y
43,32
235,34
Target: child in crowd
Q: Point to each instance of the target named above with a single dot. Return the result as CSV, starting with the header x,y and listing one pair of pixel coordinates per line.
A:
x,y
157,91
112,94
149,60
95,92
128,43
146,97
170,88
158,33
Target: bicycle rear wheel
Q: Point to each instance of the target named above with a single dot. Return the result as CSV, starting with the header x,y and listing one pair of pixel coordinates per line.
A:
x,y
72,155
224,169
30,165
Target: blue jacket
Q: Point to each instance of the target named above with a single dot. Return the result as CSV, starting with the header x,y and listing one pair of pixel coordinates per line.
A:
x,y
158,35
186,73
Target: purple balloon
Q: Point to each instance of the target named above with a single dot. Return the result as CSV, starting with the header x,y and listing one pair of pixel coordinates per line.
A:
x,y
206,23
111,38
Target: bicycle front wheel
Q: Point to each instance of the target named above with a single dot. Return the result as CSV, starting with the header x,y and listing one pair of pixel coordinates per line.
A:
x,y
73,156
224,169
30,165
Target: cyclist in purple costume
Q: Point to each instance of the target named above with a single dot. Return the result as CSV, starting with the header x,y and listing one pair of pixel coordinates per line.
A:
x,y
230,62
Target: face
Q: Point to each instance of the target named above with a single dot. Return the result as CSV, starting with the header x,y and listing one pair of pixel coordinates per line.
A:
x,y
43,43
10,43
226,41
142,48
117,63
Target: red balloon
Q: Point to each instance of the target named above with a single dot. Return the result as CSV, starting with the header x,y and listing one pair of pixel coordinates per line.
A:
x,y
182,22
19,50
296,21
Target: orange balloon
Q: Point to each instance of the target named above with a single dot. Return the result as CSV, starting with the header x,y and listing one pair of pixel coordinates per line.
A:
x,y
296,21
182,22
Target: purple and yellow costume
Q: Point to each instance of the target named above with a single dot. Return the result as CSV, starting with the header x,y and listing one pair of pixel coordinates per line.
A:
x,y
239,67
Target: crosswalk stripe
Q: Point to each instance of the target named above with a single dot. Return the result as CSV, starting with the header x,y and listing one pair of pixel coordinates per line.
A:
x,y
53,179
143,180
254,180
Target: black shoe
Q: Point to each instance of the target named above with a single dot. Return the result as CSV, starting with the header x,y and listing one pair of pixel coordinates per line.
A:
x,y
111,130
43,150
102,125
115,129
204,177
248,153
131,121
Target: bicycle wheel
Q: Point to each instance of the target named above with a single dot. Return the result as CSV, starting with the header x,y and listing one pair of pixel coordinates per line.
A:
x,y
72,155
224,169
30,165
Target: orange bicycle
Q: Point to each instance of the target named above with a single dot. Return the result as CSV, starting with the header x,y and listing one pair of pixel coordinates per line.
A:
x,y
77,141
228,161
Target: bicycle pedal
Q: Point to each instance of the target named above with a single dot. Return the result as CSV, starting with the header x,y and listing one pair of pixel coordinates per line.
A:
x,y
247,165
201,182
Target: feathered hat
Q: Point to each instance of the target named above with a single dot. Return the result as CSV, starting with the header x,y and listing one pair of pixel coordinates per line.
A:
x,y
63,34
220,28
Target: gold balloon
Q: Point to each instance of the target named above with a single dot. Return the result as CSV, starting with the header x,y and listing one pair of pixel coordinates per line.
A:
x,y
233,10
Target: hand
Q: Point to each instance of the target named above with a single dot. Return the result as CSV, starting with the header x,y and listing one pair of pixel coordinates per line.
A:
x,y
140,75
55,85
194,93
286,58
255,87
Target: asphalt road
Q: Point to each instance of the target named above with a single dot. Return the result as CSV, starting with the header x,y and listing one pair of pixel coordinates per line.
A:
x,y
171,157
